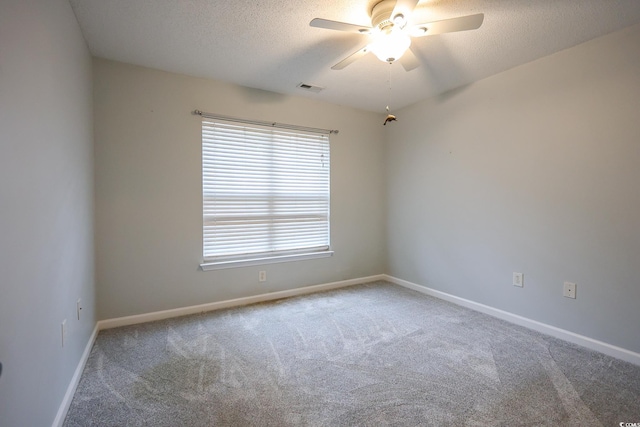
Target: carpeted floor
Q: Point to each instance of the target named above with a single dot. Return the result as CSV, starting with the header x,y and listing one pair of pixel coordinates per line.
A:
x,y
368,355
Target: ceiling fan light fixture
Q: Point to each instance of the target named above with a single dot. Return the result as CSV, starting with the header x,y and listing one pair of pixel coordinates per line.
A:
x,y
390,46
390,33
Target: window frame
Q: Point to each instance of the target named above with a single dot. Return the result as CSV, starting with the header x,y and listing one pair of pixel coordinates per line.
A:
x,y
223,261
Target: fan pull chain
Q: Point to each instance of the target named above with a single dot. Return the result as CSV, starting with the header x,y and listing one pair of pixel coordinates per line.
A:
x,y
390,117
389,81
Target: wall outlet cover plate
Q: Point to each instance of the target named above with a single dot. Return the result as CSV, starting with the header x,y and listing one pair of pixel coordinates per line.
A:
x,y
518,279
569,290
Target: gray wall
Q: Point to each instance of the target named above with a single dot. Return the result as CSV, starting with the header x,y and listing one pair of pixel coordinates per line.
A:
x,y
46,198
148,190
535,170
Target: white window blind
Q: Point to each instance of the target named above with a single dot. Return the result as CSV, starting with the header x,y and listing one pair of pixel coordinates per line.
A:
x,y
265,192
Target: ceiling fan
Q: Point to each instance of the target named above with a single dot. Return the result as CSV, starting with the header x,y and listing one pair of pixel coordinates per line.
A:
x,y
391,34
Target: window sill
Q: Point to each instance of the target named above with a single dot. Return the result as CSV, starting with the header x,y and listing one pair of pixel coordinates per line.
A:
x,y
218,265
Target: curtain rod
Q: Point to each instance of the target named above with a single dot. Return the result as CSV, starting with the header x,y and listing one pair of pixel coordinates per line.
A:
x,y
258,122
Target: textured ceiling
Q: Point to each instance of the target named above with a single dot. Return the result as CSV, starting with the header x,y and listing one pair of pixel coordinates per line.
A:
x,y
268,44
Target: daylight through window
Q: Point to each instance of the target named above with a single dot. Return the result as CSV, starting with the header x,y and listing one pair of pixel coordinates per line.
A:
x,y
265,194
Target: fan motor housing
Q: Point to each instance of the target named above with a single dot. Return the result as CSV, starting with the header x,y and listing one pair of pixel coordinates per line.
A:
x,y
381,14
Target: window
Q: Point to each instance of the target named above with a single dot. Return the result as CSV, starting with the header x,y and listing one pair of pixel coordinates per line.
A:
x,y
265,194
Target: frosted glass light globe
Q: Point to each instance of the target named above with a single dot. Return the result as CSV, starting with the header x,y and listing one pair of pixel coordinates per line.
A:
x,y
390,46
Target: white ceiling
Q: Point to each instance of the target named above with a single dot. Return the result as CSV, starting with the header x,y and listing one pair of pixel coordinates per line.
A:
x,y
268,44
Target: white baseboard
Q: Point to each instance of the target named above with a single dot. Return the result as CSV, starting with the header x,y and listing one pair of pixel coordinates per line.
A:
x,y
71,389
183,311
590,343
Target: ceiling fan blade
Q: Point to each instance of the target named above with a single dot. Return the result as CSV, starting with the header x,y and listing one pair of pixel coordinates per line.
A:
x,y
351,58
409,60
463,23
340,26
404,8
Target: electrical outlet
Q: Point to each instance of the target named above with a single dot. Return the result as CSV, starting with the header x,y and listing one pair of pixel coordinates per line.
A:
x,y
518,279
78,307
63,330
262,276
569,290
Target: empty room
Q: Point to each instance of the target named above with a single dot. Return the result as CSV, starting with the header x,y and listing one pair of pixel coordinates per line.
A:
x,y
324,213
